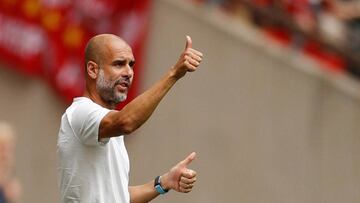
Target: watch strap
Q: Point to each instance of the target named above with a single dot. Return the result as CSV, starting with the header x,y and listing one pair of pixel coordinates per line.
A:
x,y
158,186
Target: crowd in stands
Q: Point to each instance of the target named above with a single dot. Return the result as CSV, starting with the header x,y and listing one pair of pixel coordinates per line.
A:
x,y
327,30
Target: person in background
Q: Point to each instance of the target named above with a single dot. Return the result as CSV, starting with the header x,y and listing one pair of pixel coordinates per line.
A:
x,y
93,161
10,188
349,12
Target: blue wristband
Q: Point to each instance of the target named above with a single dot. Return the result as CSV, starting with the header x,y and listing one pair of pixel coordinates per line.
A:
x,y
158,187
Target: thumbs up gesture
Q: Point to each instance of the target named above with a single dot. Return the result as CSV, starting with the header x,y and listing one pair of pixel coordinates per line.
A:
x,y
188,61
180,178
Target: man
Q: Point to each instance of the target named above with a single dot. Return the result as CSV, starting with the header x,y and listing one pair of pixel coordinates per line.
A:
x,y
93,161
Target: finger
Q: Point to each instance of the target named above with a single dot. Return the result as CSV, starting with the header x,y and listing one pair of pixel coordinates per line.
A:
x,y
194,56
192,61
190,68
188,159
189,173
191,157
183,190
188,180
196,52
188,42
186,186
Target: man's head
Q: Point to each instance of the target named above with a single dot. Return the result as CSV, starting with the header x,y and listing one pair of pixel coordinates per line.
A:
x,y
109,63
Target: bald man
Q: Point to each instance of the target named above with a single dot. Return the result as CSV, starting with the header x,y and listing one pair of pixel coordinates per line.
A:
x,y
93,162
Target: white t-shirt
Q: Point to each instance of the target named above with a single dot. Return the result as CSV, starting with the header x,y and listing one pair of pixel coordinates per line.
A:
x,y
90,171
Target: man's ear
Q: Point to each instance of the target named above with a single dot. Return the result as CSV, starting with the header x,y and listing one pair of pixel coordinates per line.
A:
x,y
92,69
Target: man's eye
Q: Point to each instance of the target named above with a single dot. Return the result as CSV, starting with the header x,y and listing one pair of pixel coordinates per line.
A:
x,y
121,63
132,64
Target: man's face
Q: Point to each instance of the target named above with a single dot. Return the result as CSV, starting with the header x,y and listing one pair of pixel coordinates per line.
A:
x,y
115,73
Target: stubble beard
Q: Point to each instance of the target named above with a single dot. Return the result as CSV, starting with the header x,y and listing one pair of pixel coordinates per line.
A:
x,y
107,89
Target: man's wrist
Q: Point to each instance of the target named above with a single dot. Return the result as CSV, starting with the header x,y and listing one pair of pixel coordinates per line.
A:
x,y
164,182
175,74
158,187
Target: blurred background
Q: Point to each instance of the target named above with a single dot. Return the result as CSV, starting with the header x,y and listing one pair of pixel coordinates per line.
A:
x,y
273,112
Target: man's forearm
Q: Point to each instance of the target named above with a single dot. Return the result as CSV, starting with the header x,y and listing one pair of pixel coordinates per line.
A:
x,y
143,193
136,113
140,109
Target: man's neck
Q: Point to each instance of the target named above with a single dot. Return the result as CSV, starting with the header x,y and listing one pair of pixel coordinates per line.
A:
x,y
97,99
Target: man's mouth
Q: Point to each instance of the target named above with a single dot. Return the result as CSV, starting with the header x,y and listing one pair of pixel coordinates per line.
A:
x,y
123,85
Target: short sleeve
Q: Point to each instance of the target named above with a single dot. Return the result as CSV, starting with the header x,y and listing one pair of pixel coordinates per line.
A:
x,y
86,119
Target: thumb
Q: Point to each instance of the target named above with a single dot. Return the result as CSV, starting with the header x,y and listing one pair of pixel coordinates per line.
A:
x,y
188,42
188,160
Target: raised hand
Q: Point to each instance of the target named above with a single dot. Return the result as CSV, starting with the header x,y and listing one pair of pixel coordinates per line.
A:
x,y
188,61
180,178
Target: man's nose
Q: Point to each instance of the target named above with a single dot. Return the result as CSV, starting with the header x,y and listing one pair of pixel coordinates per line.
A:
x,y
128,72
